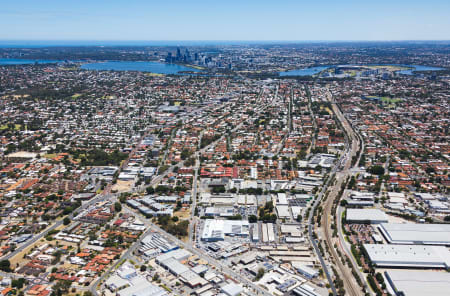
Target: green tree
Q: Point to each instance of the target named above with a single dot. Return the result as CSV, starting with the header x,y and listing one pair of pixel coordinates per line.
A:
x,y
260,274
150,190
252,219
18,283
376,170
117,207
66,221
5,265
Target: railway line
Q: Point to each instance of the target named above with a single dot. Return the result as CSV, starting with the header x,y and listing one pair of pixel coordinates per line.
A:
x,y
352,147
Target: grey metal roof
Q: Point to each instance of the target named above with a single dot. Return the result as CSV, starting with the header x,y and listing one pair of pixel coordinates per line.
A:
x,y
418,283
409,255
408,233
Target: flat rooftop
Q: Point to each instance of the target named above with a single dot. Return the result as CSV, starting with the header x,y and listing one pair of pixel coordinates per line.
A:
x,y
410,233
408,256
418,283
371,215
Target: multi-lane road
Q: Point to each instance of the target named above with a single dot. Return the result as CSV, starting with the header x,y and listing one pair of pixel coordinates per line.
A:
x,y
352,149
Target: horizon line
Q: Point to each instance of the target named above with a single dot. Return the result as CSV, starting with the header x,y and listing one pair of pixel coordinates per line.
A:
x,y
224,40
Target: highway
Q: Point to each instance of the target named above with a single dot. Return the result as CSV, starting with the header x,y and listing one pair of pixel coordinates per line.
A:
x,y
313,139
317,202
193,219
350,285
311,237
345,246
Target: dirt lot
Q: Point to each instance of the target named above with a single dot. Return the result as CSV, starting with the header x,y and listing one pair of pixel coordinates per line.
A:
x,y
183,214
122,186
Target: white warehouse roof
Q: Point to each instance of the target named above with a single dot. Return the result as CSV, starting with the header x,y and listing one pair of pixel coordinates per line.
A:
x,y
408,256
371,215
418,283
283,211
409,233
232,289
217,229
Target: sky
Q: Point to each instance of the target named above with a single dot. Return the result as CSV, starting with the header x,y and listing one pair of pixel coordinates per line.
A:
x,y
283,20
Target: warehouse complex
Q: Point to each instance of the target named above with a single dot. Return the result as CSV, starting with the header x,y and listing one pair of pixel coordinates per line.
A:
x,y
418,283
423,234
415,256
373,216
215,230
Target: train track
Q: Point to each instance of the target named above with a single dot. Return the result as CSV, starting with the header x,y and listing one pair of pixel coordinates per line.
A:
x,y
350,285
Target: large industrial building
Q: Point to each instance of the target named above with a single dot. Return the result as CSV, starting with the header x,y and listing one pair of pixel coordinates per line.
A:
x,y
413,256
268,235
424,234
283,211
373,216
215,230
360,199
418,283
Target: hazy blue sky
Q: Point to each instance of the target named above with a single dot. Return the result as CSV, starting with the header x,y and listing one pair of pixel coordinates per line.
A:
x,y
224,20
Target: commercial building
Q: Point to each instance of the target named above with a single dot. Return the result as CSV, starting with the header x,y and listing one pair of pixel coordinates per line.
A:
x,y
414,256
373,216
255,232
127,282
418,283
155,244
270,232
231,289
215,230
304,290
360,199
282,199
425,234
305,270
178,254
283,211
139,286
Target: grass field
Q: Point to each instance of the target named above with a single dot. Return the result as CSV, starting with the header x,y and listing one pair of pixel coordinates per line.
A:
x,y
107,97
388,100
154,74
16,127
69,68
196,67
389,67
